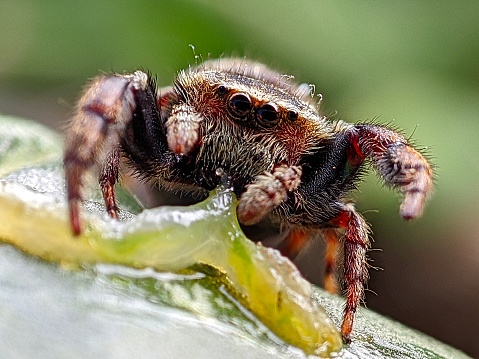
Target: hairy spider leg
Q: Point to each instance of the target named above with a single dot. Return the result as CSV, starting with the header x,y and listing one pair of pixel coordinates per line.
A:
x,y
356,243
332,242
100,117
398,163
298,239
107,179
295,242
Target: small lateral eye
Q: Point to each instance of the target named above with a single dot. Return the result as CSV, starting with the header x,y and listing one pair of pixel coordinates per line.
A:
x,y
292,115
222,90
268,114
240,104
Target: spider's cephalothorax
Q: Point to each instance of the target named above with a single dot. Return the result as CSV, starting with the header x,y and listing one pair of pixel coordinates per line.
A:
x,y
285,161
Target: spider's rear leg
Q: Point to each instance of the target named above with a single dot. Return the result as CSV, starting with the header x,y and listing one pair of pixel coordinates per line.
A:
x,y
298,240
331,237
100,118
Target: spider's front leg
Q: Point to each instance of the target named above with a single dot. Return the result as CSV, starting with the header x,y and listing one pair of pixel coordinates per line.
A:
x,y
397,162
92,138
352,229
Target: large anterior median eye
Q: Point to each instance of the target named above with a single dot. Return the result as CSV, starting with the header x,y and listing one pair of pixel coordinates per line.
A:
x,y
268,115
240,104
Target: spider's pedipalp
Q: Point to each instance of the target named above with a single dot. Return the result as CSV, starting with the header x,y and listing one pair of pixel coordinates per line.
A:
x,y
183,129
266,193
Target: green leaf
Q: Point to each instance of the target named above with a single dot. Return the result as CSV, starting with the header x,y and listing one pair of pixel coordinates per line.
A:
x,y
25,143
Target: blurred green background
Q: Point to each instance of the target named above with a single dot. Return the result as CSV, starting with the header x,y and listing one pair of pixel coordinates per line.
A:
x,y
415,64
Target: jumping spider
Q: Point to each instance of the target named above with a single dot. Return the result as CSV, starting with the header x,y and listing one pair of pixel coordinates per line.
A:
x,y
285,161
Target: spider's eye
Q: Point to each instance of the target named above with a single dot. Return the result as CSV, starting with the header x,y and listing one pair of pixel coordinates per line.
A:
x,y
222,90
268,115
292,115
240,104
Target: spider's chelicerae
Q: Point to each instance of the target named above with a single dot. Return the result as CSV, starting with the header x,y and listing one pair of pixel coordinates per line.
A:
x,y
285,161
